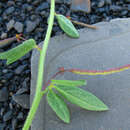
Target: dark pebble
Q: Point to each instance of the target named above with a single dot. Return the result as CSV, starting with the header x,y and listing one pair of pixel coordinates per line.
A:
x,y
3,94
30,26
2,126
101,3
108,2
20,69
2,111
7,116
14,123
44,5
22,90
10,10
18,26
20,116
115,8
23,100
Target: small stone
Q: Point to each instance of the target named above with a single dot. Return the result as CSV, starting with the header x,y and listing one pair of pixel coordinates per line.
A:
x,y
2,126
7,116
10,24
9,11
83,6
22,100
20,116
101,3
22,90
5,71
3,35
44,5
9,75
128,1
18,27
128,8
2,111
57,1
108,2
14,124
20,69
124,12
43,13
115,8
30,26
68,2
10,3
3,94
36,2
33,17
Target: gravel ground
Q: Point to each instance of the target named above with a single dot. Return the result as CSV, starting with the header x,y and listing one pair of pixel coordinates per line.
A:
x,y
30,18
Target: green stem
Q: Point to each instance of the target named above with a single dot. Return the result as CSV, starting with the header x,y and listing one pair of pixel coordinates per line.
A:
x,y
38,96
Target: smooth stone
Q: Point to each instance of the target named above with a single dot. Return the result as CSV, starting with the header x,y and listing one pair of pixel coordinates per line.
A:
x,y
19,27
101,3
81,5
101,49
22,100
42,6
2,126
10,10
22,90
8,116
4,94
3,35
57,1
30,26
10,24
20,69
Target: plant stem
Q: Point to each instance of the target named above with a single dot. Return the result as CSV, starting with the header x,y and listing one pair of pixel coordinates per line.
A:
x,y
84,24
38,96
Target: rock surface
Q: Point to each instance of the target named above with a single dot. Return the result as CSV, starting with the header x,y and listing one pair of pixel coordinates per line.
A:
x,y
22,100
104,48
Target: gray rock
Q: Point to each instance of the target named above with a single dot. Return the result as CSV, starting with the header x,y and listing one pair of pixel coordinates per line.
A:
x,y
101,49
10,24
115,8
2,126
108,2
30,26
22,100
81,5
10,10
19,27
4,94
20,116
14,123
7,116
57,1
44,5
22,90
101,3
68,2
127,1
20,69
3,35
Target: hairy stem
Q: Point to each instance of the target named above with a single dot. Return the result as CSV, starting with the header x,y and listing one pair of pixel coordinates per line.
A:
x,y
38,96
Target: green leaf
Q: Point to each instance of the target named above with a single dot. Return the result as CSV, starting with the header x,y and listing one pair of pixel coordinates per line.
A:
x,y
58,105
81,98
19,51
67,26
69,82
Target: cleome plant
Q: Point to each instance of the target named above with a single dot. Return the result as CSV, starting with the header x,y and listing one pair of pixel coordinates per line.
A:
x,y
68,89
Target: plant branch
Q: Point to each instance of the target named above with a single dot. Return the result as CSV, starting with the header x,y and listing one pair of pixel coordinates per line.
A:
x,y
84,24
37,97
